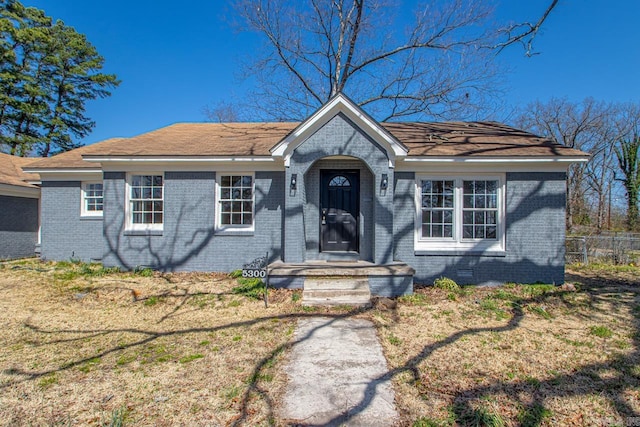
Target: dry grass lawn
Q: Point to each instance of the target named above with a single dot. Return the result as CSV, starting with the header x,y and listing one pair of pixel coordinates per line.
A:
x,y
519,355
85,346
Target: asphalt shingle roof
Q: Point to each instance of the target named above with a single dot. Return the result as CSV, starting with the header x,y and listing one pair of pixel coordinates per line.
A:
x,y
255,139
11,171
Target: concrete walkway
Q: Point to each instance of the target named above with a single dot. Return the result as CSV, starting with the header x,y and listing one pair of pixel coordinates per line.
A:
x,y
336,376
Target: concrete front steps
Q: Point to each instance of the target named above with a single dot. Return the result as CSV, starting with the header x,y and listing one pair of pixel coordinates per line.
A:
x,y
337,290
342,282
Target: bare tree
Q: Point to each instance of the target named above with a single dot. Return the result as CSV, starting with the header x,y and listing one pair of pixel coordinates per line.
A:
x,y
609,132
440,66
586,126
224,112
600,172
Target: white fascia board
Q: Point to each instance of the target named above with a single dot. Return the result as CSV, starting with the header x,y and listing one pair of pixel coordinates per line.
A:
x,y
246,164
505,159
62,170
69,174
19,191
498,165
173,159
339,104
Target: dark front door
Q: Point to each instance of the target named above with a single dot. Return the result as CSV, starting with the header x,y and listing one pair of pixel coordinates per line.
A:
x,y
339,210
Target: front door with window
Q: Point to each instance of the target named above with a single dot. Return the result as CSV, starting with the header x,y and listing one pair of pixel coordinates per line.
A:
x,y
339,210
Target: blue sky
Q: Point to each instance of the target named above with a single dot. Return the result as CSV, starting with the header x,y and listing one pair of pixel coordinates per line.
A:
x,y
174,58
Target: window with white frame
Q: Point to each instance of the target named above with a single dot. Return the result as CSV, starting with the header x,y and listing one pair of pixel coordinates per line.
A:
x,y
145,204
235,202
92,199
460,213
479,209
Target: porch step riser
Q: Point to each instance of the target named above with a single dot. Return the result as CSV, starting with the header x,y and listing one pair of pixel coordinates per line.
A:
x,y
332,291
336,284
335,302
328,293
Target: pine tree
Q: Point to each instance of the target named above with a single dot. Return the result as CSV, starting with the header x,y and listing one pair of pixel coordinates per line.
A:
x,y
48,71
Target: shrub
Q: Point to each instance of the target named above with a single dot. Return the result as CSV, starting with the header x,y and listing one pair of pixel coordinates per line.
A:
x,y
446,284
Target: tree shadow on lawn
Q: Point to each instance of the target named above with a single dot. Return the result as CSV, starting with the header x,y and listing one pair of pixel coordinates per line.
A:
x,y
610,379
585,380
625,376
253,389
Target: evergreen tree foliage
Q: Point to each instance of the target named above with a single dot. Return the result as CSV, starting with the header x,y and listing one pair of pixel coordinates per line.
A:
x,y
48,71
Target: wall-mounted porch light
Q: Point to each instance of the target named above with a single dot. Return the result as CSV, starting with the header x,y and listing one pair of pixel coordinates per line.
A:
x,y
385,181
294,181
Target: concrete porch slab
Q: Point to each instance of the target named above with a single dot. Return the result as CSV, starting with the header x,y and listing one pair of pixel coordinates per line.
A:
x,y
389,280
339,268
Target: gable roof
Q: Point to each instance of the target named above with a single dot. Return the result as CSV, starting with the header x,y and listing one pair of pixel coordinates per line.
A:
x,y
421,139
11,172
340,104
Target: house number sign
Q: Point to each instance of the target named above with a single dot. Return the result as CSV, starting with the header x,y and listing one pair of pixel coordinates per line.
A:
x,y
256,268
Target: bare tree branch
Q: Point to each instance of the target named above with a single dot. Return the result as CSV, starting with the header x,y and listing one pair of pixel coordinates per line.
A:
x,y
442,65
514,33
601,129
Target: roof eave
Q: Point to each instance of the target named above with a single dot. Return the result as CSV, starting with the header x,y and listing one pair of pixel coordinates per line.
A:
x,y
27,191
499,159
174,159
65,170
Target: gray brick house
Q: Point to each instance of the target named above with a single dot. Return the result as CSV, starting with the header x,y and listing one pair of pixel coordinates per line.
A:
x,y
18,208
478,202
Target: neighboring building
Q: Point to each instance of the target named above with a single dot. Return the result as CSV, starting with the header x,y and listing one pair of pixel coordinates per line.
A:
x,y
18,208
478,202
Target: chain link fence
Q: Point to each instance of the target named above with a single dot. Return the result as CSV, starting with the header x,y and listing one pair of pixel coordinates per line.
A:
x,y
616,248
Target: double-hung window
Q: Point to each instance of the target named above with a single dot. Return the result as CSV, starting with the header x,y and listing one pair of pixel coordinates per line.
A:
x,y
92,199
480,209
235,202
460,213
145,202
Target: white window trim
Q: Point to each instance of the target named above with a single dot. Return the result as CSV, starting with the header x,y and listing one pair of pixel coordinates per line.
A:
x,y
457,243
130,226
234,228
83,201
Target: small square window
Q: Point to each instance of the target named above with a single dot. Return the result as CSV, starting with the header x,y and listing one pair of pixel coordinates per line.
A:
x,y
92,199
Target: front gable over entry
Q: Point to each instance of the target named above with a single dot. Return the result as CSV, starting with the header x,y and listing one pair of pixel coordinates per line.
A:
x,y
340,104
340,138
